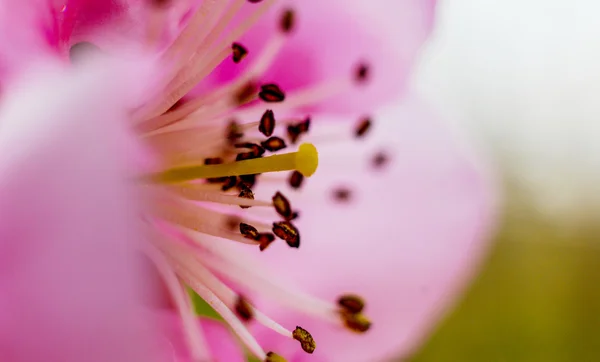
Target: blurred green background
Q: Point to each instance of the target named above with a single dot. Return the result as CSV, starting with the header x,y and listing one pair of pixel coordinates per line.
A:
x,y
537,298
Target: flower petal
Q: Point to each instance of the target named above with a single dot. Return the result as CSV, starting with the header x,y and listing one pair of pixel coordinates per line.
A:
x,y
332,38
68,278
407,240
223,346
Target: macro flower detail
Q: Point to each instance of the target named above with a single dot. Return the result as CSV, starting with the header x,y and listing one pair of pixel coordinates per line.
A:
x,y
220,100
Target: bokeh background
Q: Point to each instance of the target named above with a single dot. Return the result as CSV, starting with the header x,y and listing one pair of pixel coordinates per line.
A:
x,y
523,78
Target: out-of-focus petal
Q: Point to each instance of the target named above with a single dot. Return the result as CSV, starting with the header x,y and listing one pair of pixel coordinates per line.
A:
x,y
27,31
223,346
69,282
407,240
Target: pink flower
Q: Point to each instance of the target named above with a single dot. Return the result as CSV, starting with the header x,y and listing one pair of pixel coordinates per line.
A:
x,y
182,131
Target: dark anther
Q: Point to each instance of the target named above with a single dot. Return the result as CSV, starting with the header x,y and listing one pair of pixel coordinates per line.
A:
x,y
238,52
282,206
362,127
306,340
380,159
81,50
247,181
233,132
273,144
362,73
304,126
255,149
248,231
246,93
295,215
246,156
216,180
213,161
288,19
267,123
356,322
254,1
243,309
271,93
288,232
159,3
294,131
351,303
342,194
265,239
229,183
246,193
296,179
274,357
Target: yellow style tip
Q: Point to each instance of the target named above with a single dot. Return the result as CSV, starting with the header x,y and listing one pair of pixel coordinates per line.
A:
x,y
307,159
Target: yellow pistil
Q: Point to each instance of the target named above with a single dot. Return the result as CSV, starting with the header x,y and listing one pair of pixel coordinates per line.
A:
x,y
305,161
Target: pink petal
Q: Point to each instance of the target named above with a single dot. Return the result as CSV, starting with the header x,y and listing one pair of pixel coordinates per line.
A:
x,y
408,239
27,31
223,346
332,37
69,285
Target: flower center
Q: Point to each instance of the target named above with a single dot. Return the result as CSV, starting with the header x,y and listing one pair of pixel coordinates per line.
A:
x,y
205,153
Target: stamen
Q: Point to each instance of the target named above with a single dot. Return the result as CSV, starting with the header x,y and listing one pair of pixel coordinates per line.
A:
x,y
362,73
273,144
267,123
351,303
213,161
246,156
227,314
232,222
247,181
380,159
186,256
229,184
294,131
282,206
246,193
305,160
243,309
191,192
245,94
288,232
363,127
187,215
274,357
239,52
342,194
356,322
288,20
265,239
191,74
233,132
271,93
219,260
256,150
306,340
193,334
248,231
296,179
